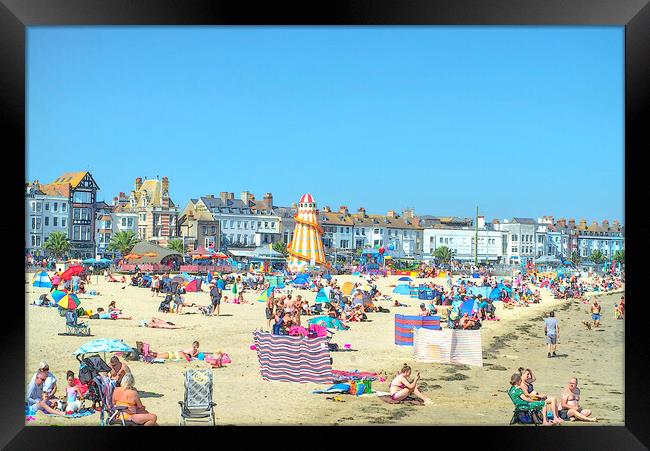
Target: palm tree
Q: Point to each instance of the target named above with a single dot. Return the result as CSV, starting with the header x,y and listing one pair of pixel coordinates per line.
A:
x,y
57,243
444,254
575,258
619,256
280,247
597,256
176,245
122,242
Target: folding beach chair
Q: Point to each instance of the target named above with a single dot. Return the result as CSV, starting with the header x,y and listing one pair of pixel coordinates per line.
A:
x,y
72,327
110,414
198,405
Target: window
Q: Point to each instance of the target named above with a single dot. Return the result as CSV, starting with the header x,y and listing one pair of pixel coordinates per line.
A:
x,y
55,206
38,240
441,240
245,238
213,230
515,237
63,207
123,222
55,221
143,217
347,230
266,224
33,223
238,237
47,206
82,197
246,224
238,226
515,250
62,222
363,232
376,231
38,223
33,206
33,240
259,224
47,220
38,207
76,233
108,225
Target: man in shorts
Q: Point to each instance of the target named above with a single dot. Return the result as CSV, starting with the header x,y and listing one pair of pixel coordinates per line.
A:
x,y
595,313
552,332
215,298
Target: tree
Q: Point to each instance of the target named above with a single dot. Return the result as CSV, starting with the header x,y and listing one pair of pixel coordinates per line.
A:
x,y
619,256
280,247
575,258
597,256
122,242
57,243
444,254
176,245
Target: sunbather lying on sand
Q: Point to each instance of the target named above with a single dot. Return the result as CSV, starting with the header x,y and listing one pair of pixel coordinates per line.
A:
x,y
186,354
156,323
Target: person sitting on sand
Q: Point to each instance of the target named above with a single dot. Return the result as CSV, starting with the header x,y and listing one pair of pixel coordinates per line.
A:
x,y
401,388
101,314
44,301
524,402
49,386
36,398
74,400
466,322
118,370
571,403
527,379
123,279
127,395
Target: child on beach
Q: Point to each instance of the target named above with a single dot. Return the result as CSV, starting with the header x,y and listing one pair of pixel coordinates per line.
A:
x,y
74,396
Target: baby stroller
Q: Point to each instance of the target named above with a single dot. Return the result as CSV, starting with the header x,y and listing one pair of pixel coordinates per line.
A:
x,y
89,368
164,305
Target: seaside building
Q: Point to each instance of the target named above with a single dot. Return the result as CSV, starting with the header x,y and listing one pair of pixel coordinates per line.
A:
x,y
603,237
157,215
521,240
198,227
80,191
105,229
459,235
124,219
46,211
287,222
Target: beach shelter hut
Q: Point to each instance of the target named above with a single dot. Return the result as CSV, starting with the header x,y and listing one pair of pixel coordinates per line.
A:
x,y
467,307
323,294
42,280
347,288
194,286
402,289
405,279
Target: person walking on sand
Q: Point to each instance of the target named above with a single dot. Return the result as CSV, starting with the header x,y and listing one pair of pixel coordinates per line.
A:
x,y
571,403
552,331
595,313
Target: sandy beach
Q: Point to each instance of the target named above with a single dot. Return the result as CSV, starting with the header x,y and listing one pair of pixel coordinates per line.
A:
x,y
461,395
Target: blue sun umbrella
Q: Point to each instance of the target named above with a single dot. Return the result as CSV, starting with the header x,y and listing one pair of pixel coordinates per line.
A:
x,y
327,277
405,279
103,345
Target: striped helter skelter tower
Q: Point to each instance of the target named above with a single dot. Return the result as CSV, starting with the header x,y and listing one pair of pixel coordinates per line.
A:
x,y
306,248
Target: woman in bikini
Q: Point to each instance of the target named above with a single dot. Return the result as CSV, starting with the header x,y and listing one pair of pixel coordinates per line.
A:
x,y
128,396
401,387
526,385
186,354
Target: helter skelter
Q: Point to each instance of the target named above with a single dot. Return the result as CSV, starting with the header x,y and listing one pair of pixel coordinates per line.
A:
x,y
306,248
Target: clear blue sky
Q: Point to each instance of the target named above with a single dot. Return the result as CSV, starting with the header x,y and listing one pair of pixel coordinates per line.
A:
x,y
522,121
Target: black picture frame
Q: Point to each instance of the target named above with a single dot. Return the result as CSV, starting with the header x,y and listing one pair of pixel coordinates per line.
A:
x,y
16,15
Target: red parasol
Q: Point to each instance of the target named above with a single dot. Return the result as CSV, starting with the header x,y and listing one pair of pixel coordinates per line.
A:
x,y
72,271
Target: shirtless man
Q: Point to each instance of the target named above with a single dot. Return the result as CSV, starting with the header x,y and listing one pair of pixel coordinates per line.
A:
x,y
118,370
571,403
595,313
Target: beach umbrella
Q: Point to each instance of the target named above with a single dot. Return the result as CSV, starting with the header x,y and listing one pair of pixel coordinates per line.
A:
x,y
132,256
70,301
327,277
405,279
103,345
72,271
58,294
219,255
347,288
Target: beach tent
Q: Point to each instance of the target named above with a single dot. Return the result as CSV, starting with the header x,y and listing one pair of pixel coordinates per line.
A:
x,y
194,286
467,307
323,294
327,277
483,291
347,288
495,294
475,275
301,279
275,281
405,279
356,273
328,322
402,289
42,280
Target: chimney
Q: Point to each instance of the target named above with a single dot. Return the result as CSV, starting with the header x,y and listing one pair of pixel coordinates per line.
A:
x,y
495,221
616,224
165,185
362,211
572,223
410,213
583,223
605,224
223,195
246,197
327,209
138,183
391,214
481,222
268,200
594,224
343,209
294,205
115,199
561,222
231,196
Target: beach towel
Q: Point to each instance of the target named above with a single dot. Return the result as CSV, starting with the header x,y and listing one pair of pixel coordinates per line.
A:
x,y
82,413
316,330
298,330
336,388
328,322
355,375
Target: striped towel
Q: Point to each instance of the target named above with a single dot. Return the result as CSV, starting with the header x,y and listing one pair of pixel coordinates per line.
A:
x,y
293,358
448,346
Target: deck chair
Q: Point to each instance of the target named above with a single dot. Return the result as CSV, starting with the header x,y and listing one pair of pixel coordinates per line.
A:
x,y
198,405
522,415
73,327
109,414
